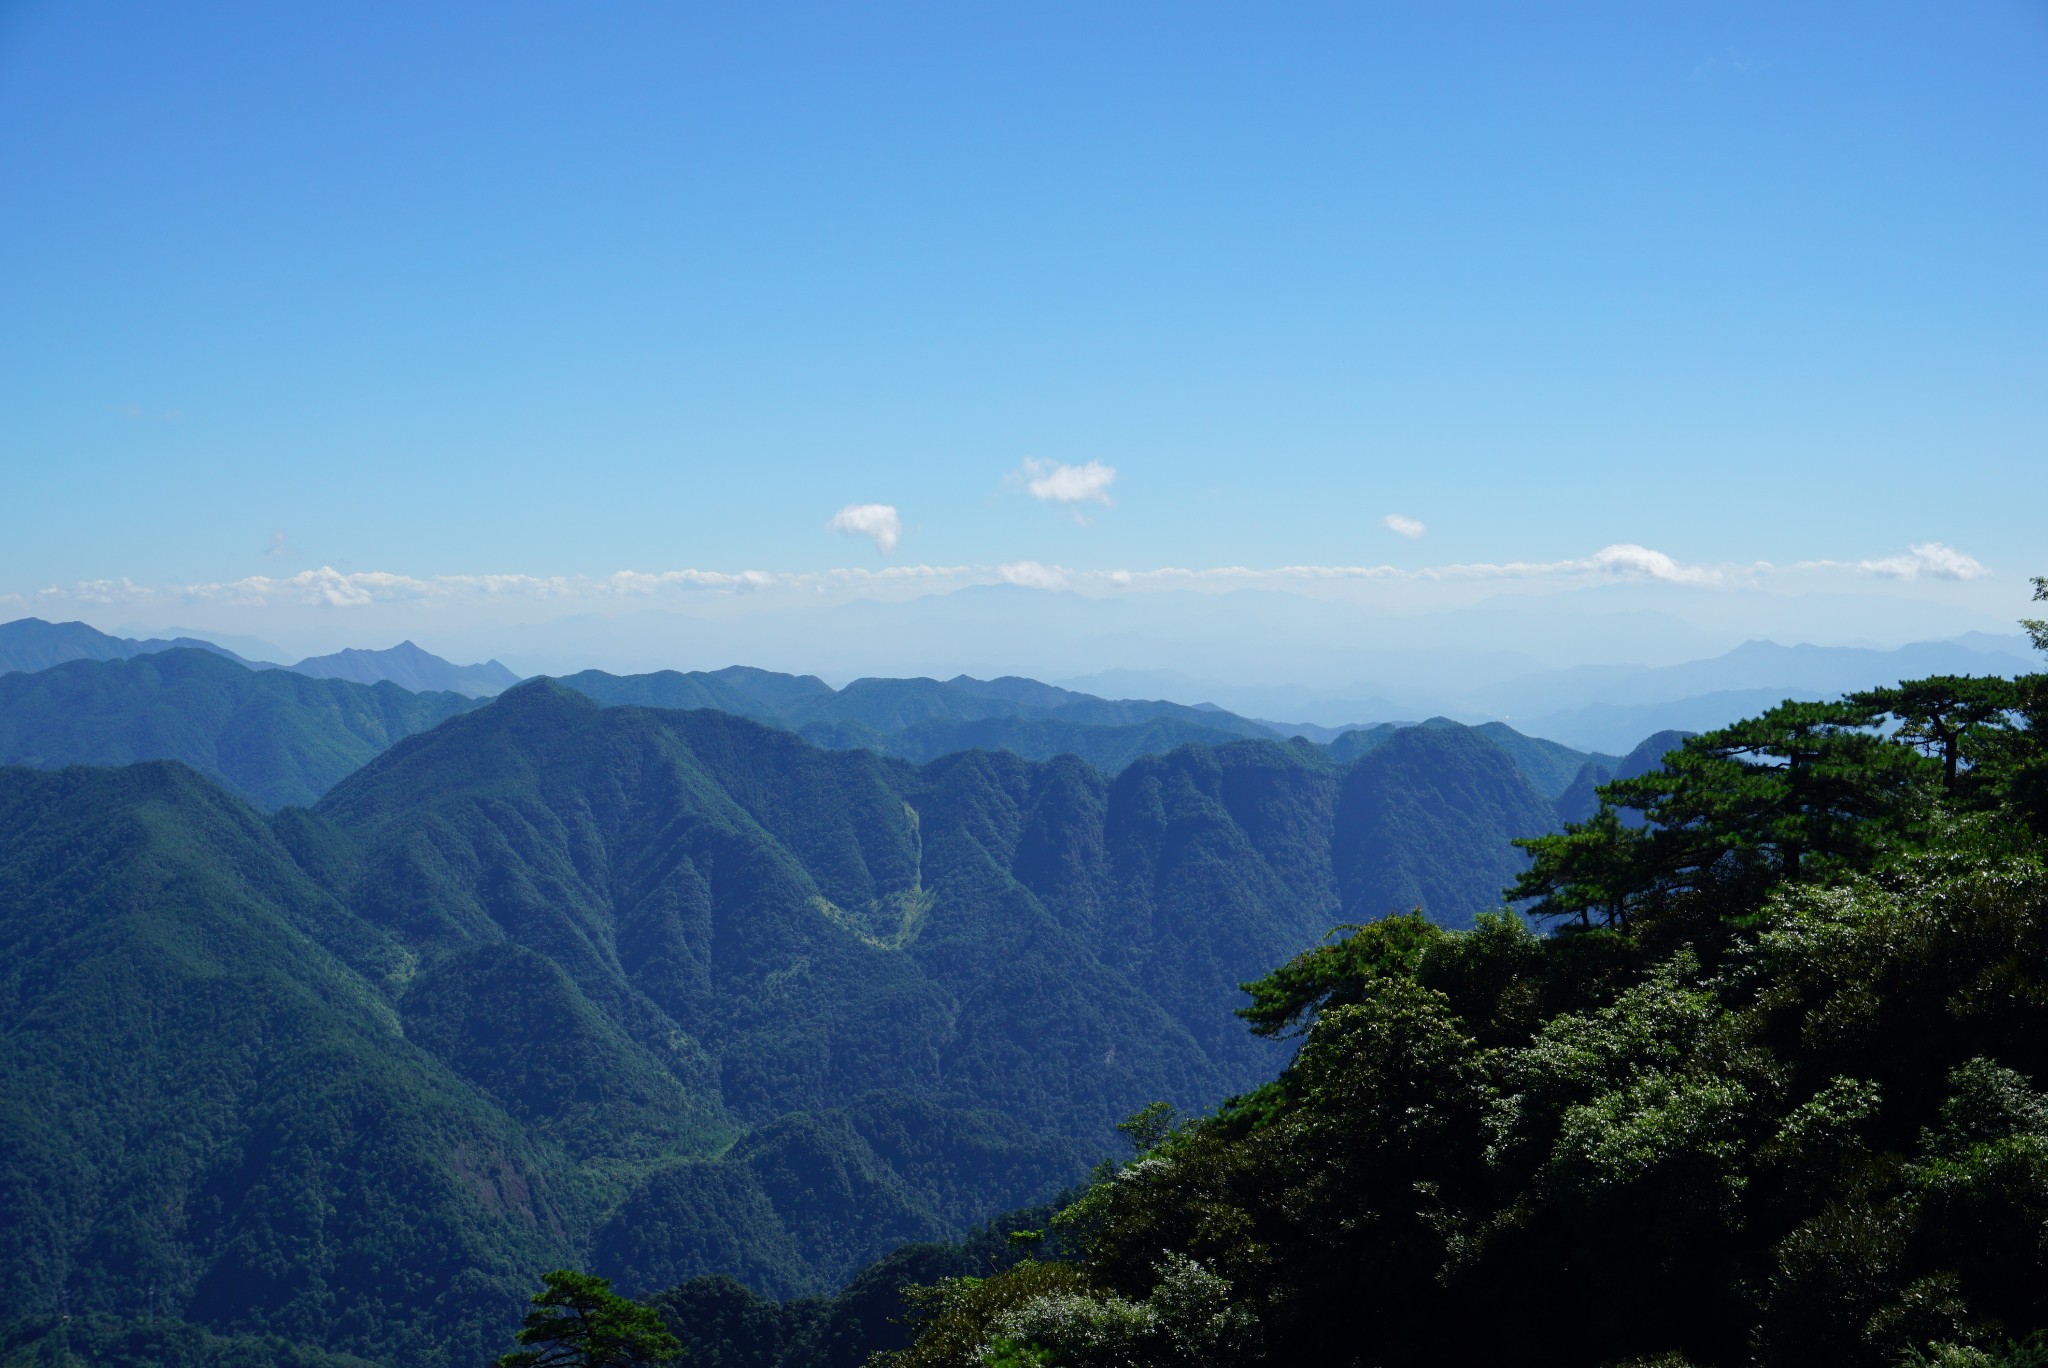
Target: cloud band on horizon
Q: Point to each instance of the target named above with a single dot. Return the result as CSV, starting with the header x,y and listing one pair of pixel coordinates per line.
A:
x,y
1623,562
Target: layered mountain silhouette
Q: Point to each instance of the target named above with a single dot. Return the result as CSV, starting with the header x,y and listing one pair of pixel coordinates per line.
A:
x,y
654,992
274,741
274,737
922,719
409,667
30,644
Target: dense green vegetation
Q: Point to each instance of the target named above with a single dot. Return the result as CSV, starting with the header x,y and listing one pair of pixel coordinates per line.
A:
x,y
102,1341
661,995
276,739
1776,1092
577,1321
888,706
923,719
724,1017
271,736
31,644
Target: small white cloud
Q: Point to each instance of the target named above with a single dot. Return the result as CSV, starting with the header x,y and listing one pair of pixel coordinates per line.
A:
x,y
277,547
1629,561
1033,575
1407,527
877,522
1051,482
1928,560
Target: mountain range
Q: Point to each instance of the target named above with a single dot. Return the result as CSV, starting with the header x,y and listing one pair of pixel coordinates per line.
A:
x,y
275,737
655,992
30,644
1603,707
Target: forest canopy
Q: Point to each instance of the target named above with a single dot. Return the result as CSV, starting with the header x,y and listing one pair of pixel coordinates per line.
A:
x,y
1775,1091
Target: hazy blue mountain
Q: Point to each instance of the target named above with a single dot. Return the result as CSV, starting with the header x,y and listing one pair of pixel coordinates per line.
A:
x,y
885,707
1347,746
409,667
271,736
30,644
1800,670
1547,765
1603,707
1581,799
1610,725
1648,754
762,695
281,739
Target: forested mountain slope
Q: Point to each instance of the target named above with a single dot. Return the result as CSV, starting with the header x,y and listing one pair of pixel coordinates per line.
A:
x,y
30,644
271,736
889,705
207,1105
1775,1094
660,993
276,739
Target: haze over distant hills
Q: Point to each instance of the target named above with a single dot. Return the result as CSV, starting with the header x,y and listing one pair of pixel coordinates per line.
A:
x,y
276,737
1597,707
1609,707
407,666
30,644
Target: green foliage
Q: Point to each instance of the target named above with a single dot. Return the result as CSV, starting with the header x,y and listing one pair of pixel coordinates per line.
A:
x,y
1775,1096
1148,1127
1334,975
667,995
1807,790
1953,717
102,1341
2035,628
270,736
659,995
577,1321
1428,819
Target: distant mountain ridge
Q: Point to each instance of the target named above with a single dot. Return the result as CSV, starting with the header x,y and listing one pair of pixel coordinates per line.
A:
x,y
274,740
273,737
923,719
1611,707
409,667
31,644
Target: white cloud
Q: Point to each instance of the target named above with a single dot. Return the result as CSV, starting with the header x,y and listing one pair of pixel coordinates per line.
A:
x,y
277,547
1032,575
327,587
1629,561
875,521
1407,527
1928,560
1051,482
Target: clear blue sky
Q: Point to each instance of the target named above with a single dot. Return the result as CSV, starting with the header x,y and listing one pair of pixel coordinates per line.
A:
x,y
450,289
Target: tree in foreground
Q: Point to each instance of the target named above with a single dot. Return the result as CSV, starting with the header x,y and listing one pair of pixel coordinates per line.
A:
x,y
1779,1096
577,1321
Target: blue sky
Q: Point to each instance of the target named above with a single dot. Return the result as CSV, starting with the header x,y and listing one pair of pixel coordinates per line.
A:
x,y
445,291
